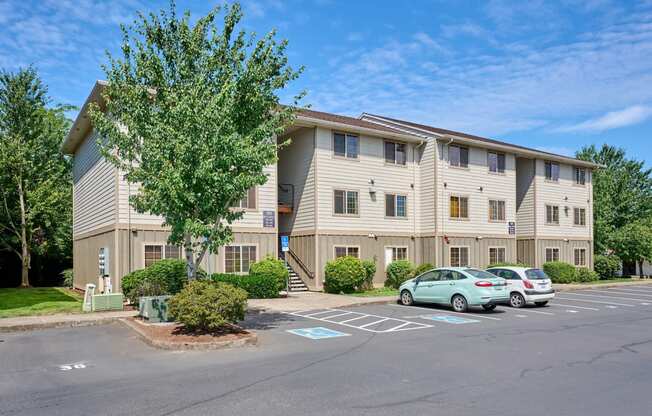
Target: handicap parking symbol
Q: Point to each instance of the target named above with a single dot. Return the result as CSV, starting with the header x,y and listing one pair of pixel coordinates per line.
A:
x,y
449,319
317,333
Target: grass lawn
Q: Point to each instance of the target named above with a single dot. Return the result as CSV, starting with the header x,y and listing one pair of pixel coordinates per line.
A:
x,y
379,291
598,282
38,301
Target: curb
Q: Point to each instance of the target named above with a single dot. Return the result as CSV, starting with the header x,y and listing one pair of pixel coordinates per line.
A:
x,y
58,324
251,340
571,286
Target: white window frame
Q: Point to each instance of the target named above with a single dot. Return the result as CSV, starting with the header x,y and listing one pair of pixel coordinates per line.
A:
x,y
468,156
246,198
575,251
552,212
582,222
163,251
468,256
504,218
396,195
498,155
395,144
468,207
346,247
346,145
256,257
552,176
557,249
577,176
503,248
346,205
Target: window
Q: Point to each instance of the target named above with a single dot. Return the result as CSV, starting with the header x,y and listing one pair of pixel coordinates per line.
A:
x,y
459,256
346,202
580,176
249,201
346,145
395,153
505,274
552,214
552,254
459,207
496,162
552,171
431,276
580,257
237,259
156,252
579,216
458,156
395,205
496,210
398,253
343,251
496,255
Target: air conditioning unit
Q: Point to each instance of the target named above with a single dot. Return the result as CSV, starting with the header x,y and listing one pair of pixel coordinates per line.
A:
x,y
107,302
154,308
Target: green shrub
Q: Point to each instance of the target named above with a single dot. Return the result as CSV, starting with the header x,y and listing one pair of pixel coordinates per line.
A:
x,y
560,272
207,306
344,275
507,264
130,282
422,269
606,266
67,277
398,272
270,268
147,288
169,274
369,273
258,286
584,274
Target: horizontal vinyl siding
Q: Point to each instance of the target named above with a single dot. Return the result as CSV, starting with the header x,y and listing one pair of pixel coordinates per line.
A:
x,y
466,182
564,194
337,173
479,249
296,167
525,213
94,193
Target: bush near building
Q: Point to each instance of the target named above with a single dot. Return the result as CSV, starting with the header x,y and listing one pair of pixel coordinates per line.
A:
x,y
344,275
268,268
584,275
370,271
506,264
398,272
203,305
166,276
257,286
422,269
606,266
560,272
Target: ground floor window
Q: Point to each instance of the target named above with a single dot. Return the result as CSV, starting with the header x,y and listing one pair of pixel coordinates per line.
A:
x,y
156,252
237,259
552,254
459,256
343,251
496,255
580,257
393,254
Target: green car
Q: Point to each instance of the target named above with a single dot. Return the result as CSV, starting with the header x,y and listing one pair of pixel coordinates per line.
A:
x,y
459,287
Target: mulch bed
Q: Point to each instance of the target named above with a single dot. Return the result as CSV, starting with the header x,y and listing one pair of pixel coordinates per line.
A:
x,y
175,336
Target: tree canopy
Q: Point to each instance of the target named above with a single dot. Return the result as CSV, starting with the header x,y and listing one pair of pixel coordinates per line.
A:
x,y
192,115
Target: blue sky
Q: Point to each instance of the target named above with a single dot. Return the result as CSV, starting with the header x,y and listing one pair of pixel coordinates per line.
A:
x,y
550,75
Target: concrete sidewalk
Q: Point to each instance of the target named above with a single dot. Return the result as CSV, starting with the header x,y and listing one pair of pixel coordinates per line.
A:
x,y
577,286
27,323
303,301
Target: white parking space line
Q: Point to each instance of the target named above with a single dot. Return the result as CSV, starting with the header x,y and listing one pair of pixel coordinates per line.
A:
x,y
610,297
630,292
400,324
353,319
339,314
521,316
318,313
443,311
571,311
373,323
527,310
574,306
595,301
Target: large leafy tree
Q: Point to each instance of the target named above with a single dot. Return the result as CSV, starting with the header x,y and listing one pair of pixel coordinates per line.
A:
x,y
192,114
35,179
622,192
633,243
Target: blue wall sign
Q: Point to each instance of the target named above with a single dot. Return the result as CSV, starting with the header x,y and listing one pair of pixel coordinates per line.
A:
x,y
285,243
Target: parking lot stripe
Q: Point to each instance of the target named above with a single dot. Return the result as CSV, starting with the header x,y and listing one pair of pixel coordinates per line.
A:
x,y
540,312
574,306
596,301
406,308
373,323
398,328
611,297
402,326
339,314
318,313
353,319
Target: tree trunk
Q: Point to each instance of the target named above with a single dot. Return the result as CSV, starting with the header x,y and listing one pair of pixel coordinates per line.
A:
x,y
190,263
640,269
25,253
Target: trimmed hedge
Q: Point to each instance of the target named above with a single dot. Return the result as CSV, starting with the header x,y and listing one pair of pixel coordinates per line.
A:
x,y
586,275
208,306
560,272
257,286
398,272
422,269
344,275
169,274
272,268
607,266
131,281
370,271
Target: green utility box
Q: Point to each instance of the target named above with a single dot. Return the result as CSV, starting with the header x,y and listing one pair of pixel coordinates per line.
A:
x,y
107,302
154,308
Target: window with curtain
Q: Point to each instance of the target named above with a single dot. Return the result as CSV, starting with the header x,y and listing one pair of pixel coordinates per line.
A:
x,y
459,207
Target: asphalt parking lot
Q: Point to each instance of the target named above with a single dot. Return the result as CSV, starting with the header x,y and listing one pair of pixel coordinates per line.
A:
x,y
588,352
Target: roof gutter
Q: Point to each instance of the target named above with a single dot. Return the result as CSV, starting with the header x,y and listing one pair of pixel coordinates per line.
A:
x,y
312,122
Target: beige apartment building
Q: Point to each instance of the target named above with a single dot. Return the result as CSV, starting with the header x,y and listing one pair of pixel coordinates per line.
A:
x,y
372,187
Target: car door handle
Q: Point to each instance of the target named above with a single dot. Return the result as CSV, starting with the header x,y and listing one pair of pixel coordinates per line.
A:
x,y
451,284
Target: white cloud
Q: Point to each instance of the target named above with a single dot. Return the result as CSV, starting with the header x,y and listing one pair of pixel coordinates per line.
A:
x,y
428,41
612,120
354,37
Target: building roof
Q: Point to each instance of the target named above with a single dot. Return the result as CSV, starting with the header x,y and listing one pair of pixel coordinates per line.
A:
x,y
436,131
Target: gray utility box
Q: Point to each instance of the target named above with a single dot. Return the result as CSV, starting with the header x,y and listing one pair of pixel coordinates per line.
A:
x,y
154,308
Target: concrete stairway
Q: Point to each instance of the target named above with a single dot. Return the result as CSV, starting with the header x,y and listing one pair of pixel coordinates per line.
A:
x,y
296,284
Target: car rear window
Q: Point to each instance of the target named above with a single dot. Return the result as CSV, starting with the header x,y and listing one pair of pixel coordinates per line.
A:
x,y
480,274
536,274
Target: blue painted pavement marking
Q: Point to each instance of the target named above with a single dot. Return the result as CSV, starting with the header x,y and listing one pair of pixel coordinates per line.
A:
x,y
317,333
449,319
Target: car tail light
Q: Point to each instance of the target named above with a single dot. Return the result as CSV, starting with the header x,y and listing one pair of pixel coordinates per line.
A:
x,y
483,283
528,284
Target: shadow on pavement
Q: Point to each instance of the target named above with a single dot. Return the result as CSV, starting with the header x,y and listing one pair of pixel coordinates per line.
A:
x,y
259,320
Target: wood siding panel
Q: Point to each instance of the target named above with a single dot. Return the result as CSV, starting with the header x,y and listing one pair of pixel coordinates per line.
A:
x,y
479,249
304,248
525,250
94,192
428,194
566,250
86,262
525,213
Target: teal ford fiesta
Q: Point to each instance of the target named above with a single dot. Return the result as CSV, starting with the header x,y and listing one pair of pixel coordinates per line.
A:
x,y
459,287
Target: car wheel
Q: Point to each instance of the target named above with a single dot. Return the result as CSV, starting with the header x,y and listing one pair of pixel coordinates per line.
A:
x,y
516,300
489,307
406,298
459,303
542,303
